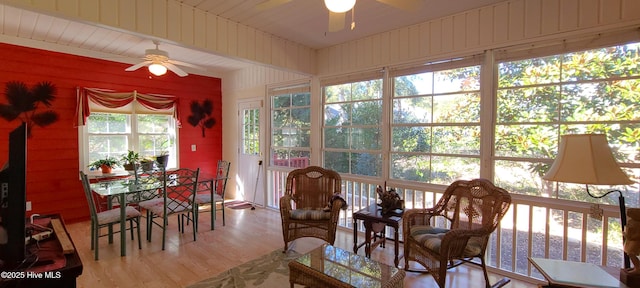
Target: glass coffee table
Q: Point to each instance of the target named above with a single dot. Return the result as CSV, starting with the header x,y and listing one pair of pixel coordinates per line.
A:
x,y
329,266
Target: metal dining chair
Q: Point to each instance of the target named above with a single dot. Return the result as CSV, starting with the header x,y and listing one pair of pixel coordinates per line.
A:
x,y
178,191
219,187
105,218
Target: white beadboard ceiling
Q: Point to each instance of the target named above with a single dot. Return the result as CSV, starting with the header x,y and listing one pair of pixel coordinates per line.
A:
x,y
301,21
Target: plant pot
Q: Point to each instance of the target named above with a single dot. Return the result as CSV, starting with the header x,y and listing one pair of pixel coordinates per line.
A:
x,y
162,160
106,169
129,167
147,165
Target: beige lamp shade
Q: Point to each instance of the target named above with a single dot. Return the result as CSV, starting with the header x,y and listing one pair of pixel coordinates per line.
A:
x,y
586,159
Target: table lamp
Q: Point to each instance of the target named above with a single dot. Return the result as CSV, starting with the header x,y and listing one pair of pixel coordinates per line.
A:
x,y
587,159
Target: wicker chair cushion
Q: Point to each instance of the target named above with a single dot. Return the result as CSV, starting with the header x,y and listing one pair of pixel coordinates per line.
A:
x,y
431,238
310,214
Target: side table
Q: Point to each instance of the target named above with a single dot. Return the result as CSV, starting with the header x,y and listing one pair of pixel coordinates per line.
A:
x,y
372,218
560,273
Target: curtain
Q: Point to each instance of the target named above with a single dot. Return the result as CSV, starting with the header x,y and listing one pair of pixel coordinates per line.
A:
x,y
100,100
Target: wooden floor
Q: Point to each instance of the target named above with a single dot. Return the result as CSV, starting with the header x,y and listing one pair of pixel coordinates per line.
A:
x,y
248,234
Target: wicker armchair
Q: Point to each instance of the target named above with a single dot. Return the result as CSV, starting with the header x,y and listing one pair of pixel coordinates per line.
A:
x,y
471,211
308,208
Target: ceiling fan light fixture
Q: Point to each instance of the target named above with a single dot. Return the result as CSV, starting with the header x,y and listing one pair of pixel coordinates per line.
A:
x,y
339,6
157,69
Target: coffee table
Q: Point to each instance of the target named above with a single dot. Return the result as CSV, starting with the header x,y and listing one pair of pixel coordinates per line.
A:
x,y
329,266
374,223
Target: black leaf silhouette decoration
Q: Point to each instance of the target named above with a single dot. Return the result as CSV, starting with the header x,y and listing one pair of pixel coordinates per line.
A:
x,y
23,103
201,115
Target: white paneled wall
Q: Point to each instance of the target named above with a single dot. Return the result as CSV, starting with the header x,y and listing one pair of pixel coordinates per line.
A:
x,y
170,19
496,26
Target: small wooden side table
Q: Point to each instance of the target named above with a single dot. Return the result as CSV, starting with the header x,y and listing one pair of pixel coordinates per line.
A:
x,y
373,218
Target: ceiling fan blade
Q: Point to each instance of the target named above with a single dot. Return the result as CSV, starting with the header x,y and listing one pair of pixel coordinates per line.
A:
x,y
176,62
336,21
408,5
137,66
175,69
270,4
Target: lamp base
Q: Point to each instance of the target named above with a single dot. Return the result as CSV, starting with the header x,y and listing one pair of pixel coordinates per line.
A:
x,y
631,280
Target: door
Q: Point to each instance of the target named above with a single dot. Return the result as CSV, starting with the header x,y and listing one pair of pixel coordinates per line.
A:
x,y
250,169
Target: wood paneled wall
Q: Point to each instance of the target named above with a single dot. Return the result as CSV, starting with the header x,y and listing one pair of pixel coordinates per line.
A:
x,y
501,25
53,184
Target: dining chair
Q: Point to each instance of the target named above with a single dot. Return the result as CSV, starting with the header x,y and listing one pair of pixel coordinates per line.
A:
x,y
178,191
219,187
107,217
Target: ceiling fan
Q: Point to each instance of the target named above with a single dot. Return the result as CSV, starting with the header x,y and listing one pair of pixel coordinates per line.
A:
x,y
339,8
158,62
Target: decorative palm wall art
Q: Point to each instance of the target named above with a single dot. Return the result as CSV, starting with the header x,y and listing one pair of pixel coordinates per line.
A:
x,y
23,104
201,115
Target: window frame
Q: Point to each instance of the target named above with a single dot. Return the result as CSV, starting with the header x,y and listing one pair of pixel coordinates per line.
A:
x,y
132,139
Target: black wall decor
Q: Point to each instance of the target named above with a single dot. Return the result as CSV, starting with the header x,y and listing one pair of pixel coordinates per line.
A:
x,y
201,115
24,101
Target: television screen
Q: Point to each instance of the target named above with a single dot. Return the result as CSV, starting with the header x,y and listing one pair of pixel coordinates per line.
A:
x,y
13,201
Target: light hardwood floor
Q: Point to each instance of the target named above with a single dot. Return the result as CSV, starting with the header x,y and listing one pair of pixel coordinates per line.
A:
x,y
248,234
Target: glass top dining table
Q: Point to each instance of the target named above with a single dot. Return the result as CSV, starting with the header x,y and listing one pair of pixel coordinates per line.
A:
x,y
135,187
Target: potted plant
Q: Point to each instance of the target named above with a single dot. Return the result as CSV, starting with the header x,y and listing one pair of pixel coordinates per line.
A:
x,y
130,160
146,163
106,164
163,159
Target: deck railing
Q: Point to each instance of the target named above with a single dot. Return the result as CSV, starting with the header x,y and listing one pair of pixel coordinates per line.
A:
x,y
533,227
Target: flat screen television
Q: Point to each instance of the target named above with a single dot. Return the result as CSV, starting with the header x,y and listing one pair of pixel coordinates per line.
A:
x,y
13,178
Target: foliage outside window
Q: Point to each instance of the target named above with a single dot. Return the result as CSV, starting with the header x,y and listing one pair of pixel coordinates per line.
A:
x,y
352,131
539,99
112,135
291,129
435,133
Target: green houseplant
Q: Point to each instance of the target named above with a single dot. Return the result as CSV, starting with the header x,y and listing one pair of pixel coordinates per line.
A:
x,y
106,164
130,160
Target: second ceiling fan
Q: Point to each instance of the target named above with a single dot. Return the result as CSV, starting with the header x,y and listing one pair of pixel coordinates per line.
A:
x,y
339,8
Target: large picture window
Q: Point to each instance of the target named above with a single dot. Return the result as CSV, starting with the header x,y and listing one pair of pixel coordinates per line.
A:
x,y
113,134
291,126
111,123
435,129
539,99
352,131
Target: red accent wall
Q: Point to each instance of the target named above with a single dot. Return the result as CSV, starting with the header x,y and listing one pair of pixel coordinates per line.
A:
x,y
53,184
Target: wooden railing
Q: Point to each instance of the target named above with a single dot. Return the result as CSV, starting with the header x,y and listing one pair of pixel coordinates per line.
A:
x,y
533,227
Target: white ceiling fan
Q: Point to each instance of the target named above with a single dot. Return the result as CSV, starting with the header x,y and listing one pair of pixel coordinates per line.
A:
x,y
158,62
339,8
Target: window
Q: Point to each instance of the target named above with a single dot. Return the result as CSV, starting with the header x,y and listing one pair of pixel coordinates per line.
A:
x,y
352,131
539,99
435,130
251,132
291,126
113,134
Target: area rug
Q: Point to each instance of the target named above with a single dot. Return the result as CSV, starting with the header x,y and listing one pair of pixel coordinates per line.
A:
x,y
238,204
270,270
